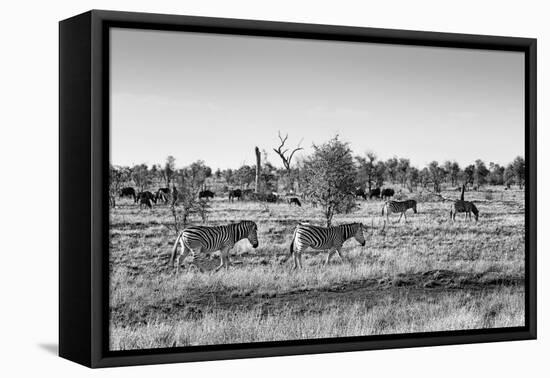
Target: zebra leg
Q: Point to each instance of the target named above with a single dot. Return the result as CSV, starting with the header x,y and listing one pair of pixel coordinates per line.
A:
x,y
399,220
223,259
185,251
300,260
340,255
195,253
330,253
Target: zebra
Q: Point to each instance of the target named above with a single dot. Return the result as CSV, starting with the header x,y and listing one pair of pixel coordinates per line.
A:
x,y
316,237
466,207
197,239
398,207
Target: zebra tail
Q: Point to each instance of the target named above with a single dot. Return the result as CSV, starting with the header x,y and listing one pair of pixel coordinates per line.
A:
x,y
292,242
383,207
175,249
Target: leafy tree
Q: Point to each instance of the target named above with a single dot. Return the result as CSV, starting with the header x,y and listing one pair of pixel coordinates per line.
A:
x,y
437,175
496,174
117,177
391,169
229,176
168,171
425,177
468,175
403,166
452,170
380,173
330,178
269,177
508,176
246,175
367,172
480,173
518,167
412,178
141,176
198,172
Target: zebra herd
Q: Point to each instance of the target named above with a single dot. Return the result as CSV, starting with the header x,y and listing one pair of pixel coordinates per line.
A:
x,y
207,239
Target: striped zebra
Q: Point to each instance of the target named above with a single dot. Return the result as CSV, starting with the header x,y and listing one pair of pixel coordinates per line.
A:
x,y
331,238
465,207
203,239
398,207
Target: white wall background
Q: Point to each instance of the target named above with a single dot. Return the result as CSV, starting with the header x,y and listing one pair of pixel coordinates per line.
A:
x,y
29,158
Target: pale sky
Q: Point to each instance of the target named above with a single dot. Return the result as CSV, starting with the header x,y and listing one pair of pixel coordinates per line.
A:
x,y
215,97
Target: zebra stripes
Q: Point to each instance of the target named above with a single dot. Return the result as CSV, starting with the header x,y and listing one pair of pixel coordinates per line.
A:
x,y
203,239
465,207
331,238
398,207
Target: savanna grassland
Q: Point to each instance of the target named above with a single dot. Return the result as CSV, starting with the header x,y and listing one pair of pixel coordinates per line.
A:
x,y
427,274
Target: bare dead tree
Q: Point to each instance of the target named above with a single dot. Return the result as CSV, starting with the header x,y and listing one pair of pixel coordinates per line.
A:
x,y
283,152
258,169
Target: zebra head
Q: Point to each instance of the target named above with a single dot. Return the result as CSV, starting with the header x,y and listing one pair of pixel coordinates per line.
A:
x,y
359,236
251,232
475,211
414,206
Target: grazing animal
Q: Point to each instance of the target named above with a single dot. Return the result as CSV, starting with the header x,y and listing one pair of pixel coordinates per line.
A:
x,y
237,193
206,194
387,193
162,195
128,192
330,238
145,198
294,200
272,197
361,193
203,239
465,207
374,193
398,207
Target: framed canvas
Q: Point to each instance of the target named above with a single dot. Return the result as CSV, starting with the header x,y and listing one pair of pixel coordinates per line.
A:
x,y
235,188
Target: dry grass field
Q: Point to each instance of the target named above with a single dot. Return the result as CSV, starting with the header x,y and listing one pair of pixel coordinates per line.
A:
x,y
427,274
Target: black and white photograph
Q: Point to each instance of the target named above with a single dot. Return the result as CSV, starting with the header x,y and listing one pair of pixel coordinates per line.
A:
x,y
269,189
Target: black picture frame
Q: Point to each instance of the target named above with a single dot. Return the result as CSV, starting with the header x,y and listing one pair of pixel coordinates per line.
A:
x,y
83,197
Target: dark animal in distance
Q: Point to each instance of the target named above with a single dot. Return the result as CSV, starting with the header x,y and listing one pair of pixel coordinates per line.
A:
x,y
387,193
128,192
162,194
328,238
361,193
203,239
145,198
398,207
272,197
295,201
237,193
374,193
465,207
206,194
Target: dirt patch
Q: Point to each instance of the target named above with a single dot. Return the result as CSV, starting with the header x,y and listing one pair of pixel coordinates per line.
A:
x,y
424,286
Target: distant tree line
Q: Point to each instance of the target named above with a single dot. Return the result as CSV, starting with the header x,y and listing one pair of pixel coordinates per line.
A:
x,y
329,177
